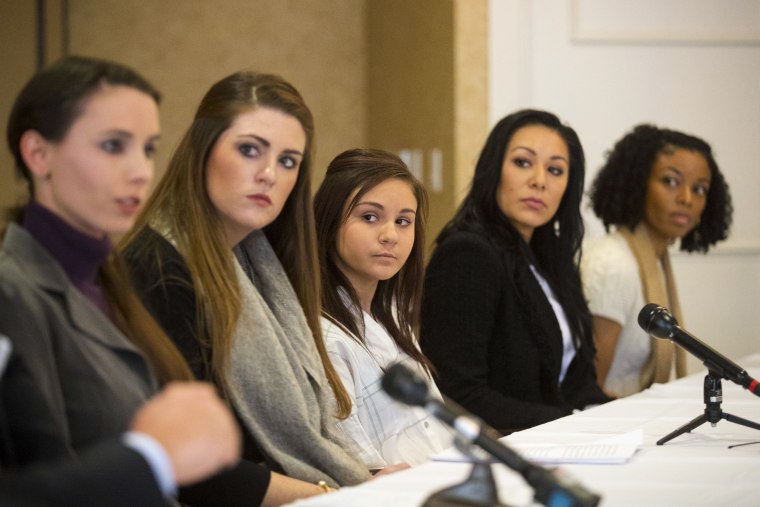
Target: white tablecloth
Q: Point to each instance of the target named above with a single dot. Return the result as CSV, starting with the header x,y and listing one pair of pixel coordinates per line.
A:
x,y
694,469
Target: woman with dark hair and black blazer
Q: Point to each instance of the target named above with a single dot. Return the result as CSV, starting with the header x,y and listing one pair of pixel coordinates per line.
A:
x,y
657,186
504,320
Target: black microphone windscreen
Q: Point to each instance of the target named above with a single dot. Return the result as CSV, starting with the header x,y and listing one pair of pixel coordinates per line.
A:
x,y
646,314
656,320
403,385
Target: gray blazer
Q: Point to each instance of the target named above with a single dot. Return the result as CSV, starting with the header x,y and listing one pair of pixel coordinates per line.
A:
x,y
73,378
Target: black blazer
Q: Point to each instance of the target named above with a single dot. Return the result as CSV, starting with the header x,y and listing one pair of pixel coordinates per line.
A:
x,y
494,339
74,379
108,475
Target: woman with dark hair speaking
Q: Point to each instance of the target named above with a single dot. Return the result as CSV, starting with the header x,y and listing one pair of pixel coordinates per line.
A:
x,y
504,320
657,186
82,133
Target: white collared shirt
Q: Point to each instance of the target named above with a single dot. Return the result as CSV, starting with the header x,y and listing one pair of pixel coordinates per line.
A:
x,y
568,347
385,431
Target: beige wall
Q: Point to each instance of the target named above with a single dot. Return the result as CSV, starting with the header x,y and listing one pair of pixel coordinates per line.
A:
x,y
184,46
18,61
18,57
390,74
470,89
428,88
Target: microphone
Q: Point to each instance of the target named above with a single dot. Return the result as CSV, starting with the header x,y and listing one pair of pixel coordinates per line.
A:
x,y
550,489
660,323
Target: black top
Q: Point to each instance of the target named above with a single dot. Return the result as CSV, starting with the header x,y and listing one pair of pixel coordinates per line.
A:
x,y
494,339
165,286
80,255
107,475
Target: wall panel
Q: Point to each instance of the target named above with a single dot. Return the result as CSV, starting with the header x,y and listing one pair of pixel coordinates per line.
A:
x,y
184,46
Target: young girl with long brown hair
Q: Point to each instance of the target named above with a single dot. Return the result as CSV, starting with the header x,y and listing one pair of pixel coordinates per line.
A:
x,y
371,214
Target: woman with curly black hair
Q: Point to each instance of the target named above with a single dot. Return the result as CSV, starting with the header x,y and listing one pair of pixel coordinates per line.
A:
x,y
657,186
504,320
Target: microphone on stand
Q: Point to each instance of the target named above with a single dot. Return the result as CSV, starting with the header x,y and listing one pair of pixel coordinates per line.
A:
x,y
549,489
660,323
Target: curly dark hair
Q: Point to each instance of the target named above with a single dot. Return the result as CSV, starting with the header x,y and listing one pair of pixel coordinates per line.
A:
x,y
618,194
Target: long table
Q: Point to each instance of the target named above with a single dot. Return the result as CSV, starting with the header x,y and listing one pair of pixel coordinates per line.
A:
x,y
694,469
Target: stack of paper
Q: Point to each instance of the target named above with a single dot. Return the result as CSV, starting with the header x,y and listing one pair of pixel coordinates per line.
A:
x,y
607,451
592,454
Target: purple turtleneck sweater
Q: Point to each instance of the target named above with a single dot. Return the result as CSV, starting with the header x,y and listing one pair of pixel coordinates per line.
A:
x,y
79,254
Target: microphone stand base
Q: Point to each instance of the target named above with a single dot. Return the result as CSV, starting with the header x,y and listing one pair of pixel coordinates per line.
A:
x,y
478,490
713,396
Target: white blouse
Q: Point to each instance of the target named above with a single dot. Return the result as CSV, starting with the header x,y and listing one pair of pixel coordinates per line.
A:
x,y
384,430
568,347
612,285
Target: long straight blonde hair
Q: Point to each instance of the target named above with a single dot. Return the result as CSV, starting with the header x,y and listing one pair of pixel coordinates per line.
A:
x,y
181,198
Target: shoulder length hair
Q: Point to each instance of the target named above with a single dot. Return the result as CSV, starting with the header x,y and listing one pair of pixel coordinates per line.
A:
x,y
396,303
49,104
618,194
556,245
181,198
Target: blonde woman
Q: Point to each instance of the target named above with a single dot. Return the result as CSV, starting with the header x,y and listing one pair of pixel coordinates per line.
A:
x,y
225,258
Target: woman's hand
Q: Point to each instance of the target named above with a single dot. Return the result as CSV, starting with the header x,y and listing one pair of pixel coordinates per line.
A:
x,y
391,469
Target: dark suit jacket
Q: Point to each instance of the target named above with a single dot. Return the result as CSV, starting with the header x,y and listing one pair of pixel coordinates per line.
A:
x,y
494,339
74,378
108,475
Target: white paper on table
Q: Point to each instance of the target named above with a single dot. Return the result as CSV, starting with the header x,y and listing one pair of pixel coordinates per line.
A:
x,y
613,450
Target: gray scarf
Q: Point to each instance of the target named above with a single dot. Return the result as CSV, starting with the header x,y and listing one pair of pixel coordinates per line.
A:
x,y
276,379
